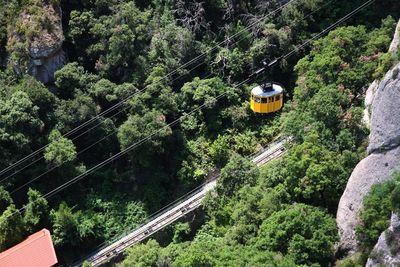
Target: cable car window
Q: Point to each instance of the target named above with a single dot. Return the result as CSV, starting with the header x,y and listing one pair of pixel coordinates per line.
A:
x,y
270,99
257,99
263,100
277,98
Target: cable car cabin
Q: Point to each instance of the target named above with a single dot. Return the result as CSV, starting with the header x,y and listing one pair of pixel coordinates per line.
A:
x,y
266,98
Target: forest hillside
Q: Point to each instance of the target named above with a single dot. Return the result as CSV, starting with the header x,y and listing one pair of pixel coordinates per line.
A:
x,y
166,81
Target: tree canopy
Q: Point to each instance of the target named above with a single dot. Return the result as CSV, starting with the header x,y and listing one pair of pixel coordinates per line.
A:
x,y
162,77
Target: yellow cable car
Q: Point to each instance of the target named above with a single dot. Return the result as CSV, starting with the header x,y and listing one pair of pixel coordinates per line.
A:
x,y
266,98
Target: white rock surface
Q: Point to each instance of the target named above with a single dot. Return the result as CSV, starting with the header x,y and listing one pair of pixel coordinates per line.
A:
x,y
394,46
387,251
376,168
43,69
385,122
370,93
383,101
369,99
44,48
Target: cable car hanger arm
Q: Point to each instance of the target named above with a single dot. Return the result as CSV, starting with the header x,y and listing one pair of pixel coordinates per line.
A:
x,y
265,67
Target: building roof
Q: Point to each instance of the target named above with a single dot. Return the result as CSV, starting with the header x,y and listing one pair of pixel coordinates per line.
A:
x,y
35,251
258,91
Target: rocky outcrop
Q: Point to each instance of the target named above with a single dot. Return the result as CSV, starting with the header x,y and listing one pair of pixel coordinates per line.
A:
x,y
369,99
387,251
375,168
371,91
37,38
43,68
383,155
385,123
394,46
45,49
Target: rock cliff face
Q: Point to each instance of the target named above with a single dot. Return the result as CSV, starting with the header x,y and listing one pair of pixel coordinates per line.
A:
x,y
396,40
44,67
369,99
387,251
38,35
370,93
383,155
385,123
375,168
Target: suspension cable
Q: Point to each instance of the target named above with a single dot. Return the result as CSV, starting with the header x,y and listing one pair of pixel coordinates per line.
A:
x,y
119,104
114,131
149,137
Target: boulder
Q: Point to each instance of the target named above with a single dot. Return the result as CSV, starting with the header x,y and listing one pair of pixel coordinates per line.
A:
x,y
376,168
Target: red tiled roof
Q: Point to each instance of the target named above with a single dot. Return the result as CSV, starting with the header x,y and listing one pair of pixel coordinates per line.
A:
x,y
35,251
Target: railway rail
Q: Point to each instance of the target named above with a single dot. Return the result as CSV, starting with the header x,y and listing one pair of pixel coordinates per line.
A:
x,y
175,210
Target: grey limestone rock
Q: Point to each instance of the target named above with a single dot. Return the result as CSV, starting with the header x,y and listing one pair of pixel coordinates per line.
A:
x,y
45,51
370,93
394,46
43,69
383,101
376,168
385,122
387,251
369,99
44,48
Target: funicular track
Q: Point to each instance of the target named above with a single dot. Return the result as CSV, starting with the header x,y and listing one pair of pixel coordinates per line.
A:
x,y
175,210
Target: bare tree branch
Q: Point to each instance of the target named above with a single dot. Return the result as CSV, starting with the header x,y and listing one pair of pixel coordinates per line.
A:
x,y
191,15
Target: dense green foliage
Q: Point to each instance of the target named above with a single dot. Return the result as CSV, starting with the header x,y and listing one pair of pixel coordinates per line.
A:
x,y
14,225
377,208
208,251
253,210
303,232
121,49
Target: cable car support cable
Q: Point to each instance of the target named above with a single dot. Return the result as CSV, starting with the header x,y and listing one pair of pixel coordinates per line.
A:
x,y
119,104
113,132
149,137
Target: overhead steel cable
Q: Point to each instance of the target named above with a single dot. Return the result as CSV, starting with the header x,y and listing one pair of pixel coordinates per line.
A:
x,y
124,151
87,131
179,200
133,146
113,132
59,165
343,19
149,137
72,139
122,102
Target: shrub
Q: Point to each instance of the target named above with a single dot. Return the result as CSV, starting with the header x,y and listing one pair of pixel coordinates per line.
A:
x,y
375,215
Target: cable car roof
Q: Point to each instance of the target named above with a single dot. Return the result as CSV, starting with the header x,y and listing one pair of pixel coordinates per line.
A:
x,y
258,91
